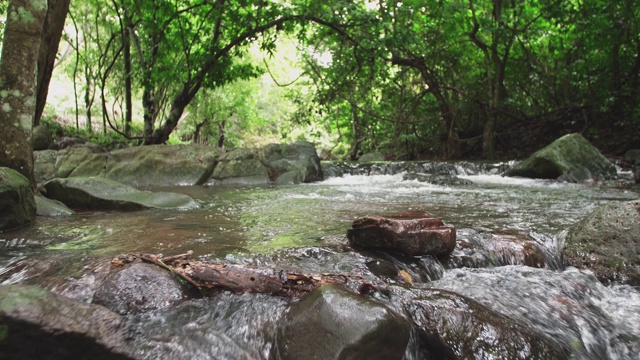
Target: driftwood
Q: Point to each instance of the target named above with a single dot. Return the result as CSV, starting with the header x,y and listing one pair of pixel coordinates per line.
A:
x,y
236,278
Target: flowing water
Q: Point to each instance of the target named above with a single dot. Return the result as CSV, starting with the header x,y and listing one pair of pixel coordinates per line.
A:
x,y
302,227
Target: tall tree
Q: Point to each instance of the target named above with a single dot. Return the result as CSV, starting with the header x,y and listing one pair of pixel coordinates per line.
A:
x,y
21,43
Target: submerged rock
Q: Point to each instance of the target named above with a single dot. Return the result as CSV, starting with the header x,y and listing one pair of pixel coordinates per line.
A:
x,y
17,204
140,288
455,327
570,158
335,323
607,241
37,324
96,193
412,234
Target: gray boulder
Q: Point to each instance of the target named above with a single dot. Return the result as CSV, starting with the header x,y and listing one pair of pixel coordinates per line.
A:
x,y
94,193
139,288
17,204
44,165
607,241
455,327
570,158
162,165
239,167
334,323
291,163
37,324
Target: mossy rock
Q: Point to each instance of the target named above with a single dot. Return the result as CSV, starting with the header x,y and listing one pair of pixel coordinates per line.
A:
x,y
570,158
17,204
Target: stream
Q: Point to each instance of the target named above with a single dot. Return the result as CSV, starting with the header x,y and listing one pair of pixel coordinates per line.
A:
x,y
303,227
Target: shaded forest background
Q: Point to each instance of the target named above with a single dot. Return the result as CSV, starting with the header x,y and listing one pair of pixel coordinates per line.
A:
x,y
410,79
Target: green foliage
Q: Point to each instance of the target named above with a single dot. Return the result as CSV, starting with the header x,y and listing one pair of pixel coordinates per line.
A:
x,y
410,79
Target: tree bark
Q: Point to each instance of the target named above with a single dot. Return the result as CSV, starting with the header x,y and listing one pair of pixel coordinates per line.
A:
x,y
22,37
236,278
53,26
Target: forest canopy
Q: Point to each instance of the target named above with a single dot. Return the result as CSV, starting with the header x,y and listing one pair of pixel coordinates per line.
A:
x,y
411,79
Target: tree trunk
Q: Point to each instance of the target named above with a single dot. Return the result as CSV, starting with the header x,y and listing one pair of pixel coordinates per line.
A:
x,y
161,134
22,37
128,107
221,133
53,26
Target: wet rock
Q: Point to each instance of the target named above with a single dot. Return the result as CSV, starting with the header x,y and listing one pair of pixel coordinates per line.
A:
x,y
291,163
607,241
570,158
335,323
102,194
412,234
475,249
572,307
17,204
162,165
437,179
331,169
371,157
455,327
37,324
51,208
140,288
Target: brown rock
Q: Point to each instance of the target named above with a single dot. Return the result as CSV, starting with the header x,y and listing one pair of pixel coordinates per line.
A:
x,y
410,233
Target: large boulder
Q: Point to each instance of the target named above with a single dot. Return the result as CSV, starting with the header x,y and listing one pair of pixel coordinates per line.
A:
x,y
162,165
17,204
452,326
412,234
334,323
239,167
570,158
291,163
80,160
36,324
44,165
94,193
139,288
607,241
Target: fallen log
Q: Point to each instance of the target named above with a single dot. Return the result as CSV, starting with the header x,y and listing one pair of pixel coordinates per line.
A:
x,y
236,278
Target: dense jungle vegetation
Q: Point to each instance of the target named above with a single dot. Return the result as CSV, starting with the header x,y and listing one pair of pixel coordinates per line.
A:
x,y
411,79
